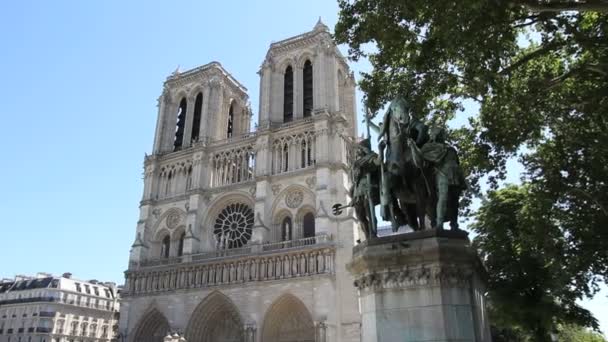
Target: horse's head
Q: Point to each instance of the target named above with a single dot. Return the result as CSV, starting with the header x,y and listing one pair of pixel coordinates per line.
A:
x,y
400,110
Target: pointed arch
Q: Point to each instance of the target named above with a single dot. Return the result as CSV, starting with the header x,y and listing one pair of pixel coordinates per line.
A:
x,y
308,225
230,123
196,120
152,327
288,320
215,319
288,94
181,123
307,82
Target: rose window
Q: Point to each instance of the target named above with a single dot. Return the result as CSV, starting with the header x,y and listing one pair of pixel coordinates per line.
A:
x,y
233,226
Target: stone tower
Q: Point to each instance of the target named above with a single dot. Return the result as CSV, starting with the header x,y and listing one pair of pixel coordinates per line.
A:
x,y
236,240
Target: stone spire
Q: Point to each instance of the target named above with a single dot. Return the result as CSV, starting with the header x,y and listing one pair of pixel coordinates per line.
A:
x,y
320,26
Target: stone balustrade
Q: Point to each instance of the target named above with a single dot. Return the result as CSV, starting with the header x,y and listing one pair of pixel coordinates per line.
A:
x,y
274,261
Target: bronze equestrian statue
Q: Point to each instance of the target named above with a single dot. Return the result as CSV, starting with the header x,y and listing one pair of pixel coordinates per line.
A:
x,y
416,175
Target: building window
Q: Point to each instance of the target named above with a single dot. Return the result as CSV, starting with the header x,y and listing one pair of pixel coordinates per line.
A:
x,y
180,248
286,229
196,120
233,226
307,86
181,122
308,225
230,126
288,95
285,158
164,251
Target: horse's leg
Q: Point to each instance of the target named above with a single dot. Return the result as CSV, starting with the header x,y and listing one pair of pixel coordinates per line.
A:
x,y
406,209
412,216
394,210
421,202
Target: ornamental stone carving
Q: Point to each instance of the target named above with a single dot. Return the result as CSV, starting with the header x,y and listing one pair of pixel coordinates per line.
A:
x,y
294,199
276,188
311,182
156,212
173,219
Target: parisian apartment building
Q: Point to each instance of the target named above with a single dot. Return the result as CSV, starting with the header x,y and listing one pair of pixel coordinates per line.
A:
x,y
47,308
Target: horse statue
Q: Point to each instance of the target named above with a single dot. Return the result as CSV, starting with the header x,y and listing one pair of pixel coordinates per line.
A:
x,y
406,191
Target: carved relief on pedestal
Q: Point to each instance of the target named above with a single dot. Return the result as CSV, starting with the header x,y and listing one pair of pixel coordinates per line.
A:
x,y
415,277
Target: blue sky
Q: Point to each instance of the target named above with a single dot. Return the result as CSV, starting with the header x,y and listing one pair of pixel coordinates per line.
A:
x,y
78,95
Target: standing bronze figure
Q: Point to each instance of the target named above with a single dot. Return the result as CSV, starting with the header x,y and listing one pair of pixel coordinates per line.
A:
x,y
449,181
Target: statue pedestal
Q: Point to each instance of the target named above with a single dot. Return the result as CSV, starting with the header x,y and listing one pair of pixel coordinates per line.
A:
x,y
421,286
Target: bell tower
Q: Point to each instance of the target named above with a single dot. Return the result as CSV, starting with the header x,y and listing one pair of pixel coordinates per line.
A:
x,y
304,75
201,105
227,212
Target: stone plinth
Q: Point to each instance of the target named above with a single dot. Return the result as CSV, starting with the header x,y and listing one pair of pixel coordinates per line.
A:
x,y
421,286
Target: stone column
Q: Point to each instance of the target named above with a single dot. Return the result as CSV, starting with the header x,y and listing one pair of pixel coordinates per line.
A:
x,y
160,123
149,177
276,96
265,91
250,332
421,286
168,133
321,332
186,141
139,249
298,92
204,130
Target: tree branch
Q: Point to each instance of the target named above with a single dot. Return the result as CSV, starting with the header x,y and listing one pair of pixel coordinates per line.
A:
x,y
525,59
561,6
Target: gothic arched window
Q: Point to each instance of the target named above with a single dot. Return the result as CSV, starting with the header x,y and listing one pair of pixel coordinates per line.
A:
x,y
308,225
230,125
181,122
180,247
286,229
285,158
288,95
164,250
307,86
168,184
196,120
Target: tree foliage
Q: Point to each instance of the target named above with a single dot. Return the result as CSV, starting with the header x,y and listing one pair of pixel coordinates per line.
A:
x,y
531,282
574,333
538,71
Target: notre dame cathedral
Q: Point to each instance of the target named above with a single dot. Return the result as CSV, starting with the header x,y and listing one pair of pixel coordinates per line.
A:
x,y
236,240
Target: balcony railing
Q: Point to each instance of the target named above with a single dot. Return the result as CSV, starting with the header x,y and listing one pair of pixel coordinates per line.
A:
x,y
28,300
273,261
233,252
47,314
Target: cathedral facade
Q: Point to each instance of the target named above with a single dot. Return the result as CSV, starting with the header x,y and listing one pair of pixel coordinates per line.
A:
x,y
236,240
